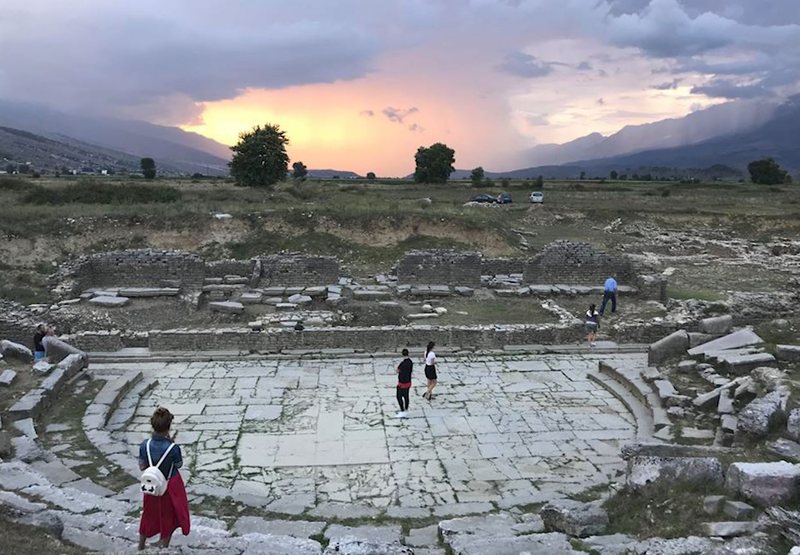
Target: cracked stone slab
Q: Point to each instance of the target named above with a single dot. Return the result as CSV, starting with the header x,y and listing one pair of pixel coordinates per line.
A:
x,y
294,528
379,534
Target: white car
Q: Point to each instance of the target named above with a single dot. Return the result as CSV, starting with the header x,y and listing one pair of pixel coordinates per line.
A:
x,y
537,197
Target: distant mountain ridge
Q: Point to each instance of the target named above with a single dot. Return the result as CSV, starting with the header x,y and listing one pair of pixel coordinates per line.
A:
x,y
715,121
169,146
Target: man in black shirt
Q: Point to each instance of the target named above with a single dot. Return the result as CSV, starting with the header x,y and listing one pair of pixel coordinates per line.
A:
x,y
404,383
38,348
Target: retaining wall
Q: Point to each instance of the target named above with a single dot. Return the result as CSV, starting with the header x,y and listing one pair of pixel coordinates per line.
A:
x,y
294,270
437,267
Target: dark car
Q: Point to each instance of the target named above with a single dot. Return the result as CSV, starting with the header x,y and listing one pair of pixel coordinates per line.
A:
x,y
483,198
504,198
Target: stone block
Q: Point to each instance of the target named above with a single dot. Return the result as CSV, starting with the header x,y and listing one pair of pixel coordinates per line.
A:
x,y
294,528
250,298
228,307
697,339
43,367
9,349
725,403
735,340
786,449
793,425
58,350
738,510
712,504
574,517
672,346
788,353
381,534
285,306
299,299
7,377
717,325
465,291
109,302
149,292
358,546
686,366
728,529
743,364
764,413
646,470
765,484
729,423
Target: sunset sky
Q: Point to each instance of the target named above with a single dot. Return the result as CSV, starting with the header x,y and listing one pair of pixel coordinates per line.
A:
x,y
360,84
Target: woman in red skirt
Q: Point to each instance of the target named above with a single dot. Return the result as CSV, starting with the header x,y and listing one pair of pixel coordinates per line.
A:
x,y
163,514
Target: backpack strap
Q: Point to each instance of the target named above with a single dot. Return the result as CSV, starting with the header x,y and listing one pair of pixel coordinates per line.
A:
x,y
164,456
147,448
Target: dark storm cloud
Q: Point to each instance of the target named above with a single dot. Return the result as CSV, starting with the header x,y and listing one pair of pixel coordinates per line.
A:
x,y
525,65
667,86
722,88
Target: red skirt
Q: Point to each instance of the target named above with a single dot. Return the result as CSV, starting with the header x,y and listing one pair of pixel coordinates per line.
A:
x,y
163,515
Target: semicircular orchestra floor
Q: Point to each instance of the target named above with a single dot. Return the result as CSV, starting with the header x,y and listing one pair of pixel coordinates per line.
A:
x,y
301,434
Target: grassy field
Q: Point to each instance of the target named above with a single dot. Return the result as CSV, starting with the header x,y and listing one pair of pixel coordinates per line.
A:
x,y
370,225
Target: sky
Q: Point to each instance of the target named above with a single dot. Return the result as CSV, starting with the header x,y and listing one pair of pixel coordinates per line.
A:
x,y
361,84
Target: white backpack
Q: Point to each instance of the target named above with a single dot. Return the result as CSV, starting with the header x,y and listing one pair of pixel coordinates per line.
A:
x,y
153,480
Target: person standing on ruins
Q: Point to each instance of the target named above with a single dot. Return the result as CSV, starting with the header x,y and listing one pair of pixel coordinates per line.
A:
x,y
163,514
404,384
430,370
609,293
592,325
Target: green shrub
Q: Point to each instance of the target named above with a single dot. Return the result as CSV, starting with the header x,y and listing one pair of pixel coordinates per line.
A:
x,y
90,192
13,184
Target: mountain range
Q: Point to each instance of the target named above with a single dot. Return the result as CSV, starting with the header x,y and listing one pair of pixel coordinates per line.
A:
x,y
717,142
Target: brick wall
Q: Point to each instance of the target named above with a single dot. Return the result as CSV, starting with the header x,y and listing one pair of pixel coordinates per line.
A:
x,y
502,266
222,268
136,268
295,270
437,267
574,263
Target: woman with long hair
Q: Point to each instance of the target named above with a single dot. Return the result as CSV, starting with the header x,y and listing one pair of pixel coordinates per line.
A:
x,y
430,370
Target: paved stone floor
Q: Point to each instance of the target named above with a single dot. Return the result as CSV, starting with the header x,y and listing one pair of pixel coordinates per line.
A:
x,y
306,433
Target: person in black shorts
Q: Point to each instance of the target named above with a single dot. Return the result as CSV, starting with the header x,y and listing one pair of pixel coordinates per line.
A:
x,y
430,370
404,384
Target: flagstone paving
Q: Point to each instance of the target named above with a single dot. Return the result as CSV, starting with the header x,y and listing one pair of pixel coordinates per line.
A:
x,y
310,433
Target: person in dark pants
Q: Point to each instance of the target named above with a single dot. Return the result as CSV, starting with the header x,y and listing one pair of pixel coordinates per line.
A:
x,y
609,293
404,384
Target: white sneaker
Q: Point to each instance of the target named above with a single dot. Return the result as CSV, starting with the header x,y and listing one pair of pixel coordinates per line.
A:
x,y
400,415
594,343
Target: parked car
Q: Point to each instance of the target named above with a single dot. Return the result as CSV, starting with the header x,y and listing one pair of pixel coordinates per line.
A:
x,y
484,198
504,198
537,197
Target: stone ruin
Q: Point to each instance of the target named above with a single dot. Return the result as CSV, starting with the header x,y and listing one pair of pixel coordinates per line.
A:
x,y
437,267
293,270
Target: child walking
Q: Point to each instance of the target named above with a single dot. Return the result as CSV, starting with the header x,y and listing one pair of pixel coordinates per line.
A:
x,y
163,514
430,370
404,370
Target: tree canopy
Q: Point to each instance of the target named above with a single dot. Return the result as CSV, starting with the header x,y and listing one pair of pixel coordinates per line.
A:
x,y
767,172
299,170
148,166
434,164
259,158
477,175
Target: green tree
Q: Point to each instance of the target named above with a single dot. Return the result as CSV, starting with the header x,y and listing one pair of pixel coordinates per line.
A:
x,y
299,170
259,158
477,175
371,176
505,182
766,172
10,168
540,181
583,176
613,175
434,164
148,166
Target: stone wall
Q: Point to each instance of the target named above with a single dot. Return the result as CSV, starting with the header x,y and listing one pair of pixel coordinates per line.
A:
x,y
574,263
17,323
222,268
293,270
386,338
136,268
502,266
437,267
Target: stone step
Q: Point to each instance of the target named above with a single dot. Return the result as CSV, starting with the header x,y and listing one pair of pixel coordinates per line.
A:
x,y
643,417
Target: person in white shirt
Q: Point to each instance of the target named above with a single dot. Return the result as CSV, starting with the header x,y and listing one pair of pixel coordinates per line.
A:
x,y
430,370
